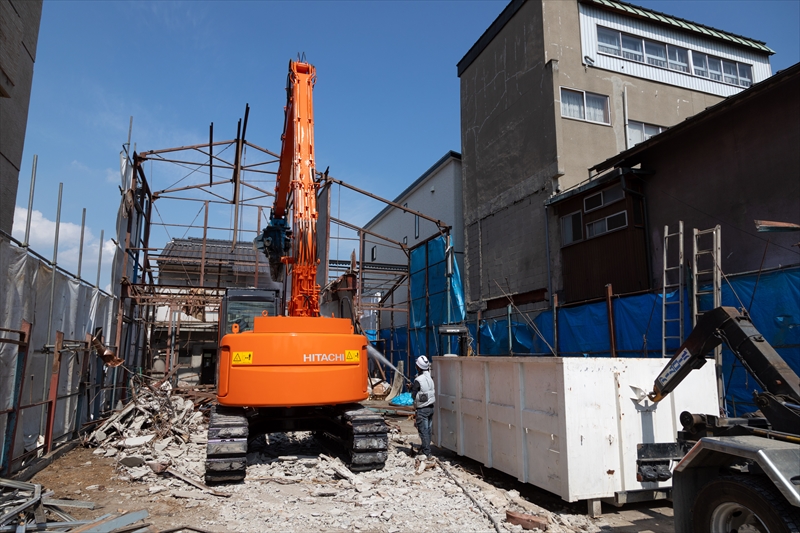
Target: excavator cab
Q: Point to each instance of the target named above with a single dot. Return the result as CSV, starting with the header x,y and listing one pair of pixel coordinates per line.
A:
x,y
241,306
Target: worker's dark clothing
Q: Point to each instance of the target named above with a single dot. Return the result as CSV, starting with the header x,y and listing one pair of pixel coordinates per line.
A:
x,y
424,426
423,393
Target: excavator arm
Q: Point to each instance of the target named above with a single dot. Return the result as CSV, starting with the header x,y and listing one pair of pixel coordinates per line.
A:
x,y
286,242
781,385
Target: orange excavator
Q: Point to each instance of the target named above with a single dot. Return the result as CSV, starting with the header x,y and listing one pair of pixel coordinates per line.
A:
x,y
302,371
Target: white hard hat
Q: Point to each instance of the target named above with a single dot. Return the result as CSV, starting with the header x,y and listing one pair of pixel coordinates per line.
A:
x,y
423,362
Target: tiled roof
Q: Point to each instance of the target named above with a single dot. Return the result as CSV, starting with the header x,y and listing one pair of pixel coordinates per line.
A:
x,y
687,25
189,252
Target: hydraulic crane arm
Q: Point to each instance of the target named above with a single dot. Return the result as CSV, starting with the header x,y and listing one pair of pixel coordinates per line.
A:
x,y
725,324
295,196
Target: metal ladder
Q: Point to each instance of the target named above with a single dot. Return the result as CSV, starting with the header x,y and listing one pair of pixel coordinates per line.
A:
x,y
672,280
707,270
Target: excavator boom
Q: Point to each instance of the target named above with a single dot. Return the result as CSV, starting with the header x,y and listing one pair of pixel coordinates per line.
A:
x,y
295,196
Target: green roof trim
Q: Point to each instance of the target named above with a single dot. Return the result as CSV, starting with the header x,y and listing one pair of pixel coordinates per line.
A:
x,y
681,23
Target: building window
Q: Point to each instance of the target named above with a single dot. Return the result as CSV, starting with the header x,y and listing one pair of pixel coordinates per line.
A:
x,y
634,48
416,226
656,54
571,228
584,106
374,253
678,58
730,72
607,224
639,132
715,68
405,239
603,198
745,75
700,64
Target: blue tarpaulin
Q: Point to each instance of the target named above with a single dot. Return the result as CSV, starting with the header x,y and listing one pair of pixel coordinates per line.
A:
x,y
429,297
583,330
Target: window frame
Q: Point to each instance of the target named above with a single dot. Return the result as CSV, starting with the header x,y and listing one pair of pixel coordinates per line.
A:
x,y
583,94
374,253
580,225
603,202
416,226
605,224
654,61
644,125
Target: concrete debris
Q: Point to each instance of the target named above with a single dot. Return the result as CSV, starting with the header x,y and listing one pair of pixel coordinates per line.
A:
x,y
294,484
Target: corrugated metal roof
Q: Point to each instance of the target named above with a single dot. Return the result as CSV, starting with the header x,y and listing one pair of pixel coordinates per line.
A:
x,y
681,23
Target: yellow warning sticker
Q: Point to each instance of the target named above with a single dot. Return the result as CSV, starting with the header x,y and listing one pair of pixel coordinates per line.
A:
x,y
242,358
352,356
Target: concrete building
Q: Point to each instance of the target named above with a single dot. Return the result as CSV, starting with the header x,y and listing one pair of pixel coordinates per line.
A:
x,y
551,88
19,34
436,193
738,162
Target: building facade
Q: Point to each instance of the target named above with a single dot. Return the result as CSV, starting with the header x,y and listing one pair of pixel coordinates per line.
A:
x,y
19,34
436,193
738,163
551,88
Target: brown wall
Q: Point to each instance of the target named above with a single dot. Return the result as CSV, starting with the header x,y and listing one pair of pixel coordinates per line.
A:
x,y
618,257
731,169
19,33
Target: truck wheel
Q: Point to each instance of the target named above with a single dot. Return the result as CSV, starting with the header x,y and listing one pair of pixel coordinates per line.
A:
x,y
743,504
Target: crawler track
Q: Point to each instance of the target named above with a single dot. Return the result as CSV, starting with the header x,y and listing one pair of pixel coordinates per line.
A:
x,y
364,437
226,452
358,434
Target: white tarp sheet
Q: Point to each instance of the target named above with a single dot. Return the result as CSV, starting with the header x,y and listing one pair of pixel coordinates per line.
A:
x,y
25,294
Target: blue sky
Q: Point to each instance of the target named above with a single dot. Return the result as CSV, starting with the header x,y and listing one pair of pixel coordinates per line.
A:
x,y
386,99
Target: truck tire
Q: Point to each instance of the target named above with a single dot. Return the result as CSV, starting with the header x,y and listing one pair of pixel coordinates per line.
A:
x,y
743,503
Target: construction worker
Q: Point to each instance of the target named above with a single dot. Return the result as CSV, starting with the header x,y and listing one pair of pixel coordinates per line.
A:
x,y
424,395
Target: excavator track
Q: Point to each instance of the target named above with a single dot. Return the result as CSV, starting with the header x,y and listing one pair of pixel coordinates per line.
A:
x,y
226,452
363,436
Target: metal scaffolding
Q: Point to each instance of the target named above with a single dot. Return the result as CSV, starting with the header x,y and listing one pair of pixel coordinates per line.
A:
x,y
170,293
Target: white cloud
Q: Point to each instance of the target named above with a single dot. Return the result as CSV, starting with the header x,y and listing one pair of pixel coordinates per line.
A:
x,y
112,176
42,236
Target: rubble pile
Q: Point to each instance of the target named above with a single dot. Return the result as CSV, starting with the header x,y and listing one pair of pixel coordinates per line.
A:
x,y
159,429
294,484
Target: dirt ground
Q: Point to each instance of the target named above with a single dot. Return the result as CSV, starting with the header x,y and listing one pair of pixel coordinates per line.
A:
x,y
261,504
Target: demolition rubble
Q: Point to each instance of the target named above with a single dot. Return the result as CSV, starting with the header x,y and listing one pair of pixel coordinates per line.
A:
x,y
158,441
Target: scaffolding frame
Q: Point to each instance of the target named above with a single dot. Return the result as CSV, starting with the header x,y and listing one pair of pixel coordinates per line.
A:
x,y
227,174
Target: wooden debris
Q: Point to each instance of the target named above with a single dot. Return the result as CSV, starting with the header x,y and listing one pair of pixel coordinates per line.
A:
x,y
527,521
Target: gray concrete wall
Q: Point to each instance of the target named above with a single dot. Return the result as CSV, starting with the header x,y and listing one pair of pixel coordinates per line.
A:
x,y
740,166
584,144
509,156
19,33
